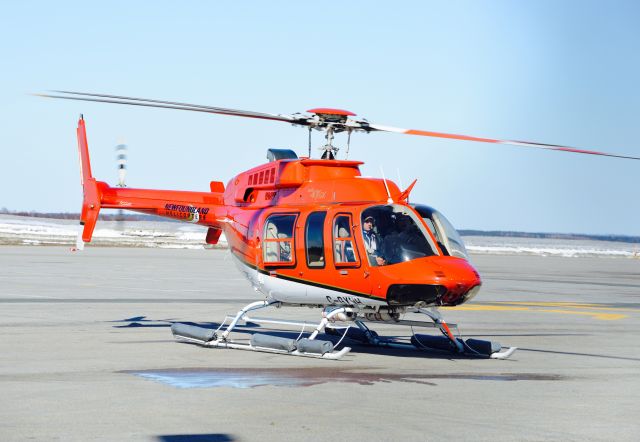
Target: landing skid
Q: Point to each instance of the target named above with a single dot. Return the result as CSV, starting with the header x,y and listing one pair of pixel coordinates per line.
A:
x,y
446,343
315,348
306,347
470,347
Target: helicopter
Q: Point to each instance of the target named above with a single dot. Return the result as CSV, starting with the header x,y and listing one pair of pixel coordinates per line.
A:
x,y
313,232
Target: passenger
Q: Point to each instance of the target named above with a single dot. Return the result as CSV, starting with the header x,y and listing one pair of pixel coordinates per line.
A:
x,y
372,242
343,246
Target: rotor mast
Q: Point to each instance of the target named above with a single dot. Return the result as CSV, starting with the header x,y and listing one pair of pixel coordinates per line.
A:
x,y
332,121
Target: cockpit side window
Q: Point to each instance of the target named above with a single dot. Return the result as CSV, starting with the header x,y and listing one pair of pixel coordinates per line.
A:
x,y
436,233
447,236
278,247
454,241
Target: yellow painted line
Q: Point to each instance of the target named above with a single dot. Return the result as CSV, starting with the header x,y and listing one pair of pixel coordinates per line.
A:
x,y
547,304
493,308
566,305
601,316
478,308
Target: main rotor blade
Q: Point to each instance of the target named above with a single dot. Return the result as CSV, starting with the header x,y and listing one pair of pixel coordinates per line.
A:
x,y
132,101
425,133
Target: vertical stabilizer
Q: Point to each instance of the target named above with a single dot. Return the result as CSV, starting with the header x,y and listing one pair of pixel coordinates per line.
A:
x,y
90,189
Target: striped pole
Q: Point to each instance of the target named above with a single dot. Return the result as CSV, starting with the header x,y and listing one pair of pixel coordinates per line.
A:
x,y
121,160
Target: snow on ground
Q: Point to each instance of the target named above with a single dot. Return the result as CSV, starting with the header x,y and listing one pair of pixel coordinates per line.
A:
x,y
43,231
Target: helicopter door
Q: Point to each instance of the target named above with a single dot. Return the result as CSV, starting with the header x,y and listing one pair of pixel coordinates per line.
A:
x,y
345,254
348,276
333,274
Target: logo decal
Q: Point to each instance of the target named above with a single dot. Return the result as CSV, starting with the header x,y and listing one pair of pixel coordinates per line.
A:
x,y
191,214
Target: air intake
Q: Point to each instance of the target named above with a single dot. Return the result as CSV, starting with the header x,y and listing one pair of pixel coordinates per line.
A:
x,y
281,154
410,294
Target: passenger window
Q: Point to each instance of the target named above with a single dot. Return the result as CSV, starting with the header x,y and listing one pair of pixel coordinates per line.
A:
x,y
344,249
278,247
314,241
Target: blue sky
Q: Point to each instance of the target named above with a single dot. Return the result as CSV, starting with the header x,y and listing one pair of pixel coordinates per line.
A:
x,y
554,72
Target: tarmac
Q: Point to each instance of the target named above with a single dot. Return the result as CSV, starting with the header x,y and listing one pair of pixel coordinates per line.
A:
x,y
87,354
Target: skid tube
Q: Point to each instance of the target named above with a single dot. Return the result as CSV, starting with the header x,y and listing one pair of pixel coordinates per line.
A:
x,y
465,347
448,342
305,347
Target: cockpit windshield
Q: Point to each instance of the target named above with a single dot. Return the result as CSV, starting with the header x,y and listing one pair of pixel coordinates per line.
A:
x,y
448,237
394,234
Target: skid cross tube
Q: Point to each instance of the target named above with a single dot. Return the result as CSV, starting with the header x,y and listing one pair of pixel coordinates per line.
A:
x,y
326,320
253,306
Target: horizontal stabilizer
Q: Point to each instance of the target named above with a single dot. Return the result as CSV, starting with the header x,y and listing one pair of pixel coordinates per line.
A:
x,y
216,186
213,235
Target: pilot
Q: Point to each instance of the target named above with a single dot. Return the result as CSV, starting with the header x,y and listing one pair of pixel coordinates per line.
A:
x,y
405,241
372,242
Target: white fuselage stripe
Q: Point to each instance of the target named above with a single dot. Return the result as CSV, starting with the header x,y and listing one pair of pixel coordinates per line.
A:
x,y
292,292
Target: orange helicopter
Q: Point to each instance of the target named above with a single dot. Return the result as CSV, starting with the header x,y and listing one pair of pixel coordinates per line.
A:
x,y
315,233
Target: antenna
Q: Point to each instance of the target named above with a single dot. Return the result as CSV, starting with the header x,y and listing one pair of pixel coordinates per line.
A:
x,y
384,180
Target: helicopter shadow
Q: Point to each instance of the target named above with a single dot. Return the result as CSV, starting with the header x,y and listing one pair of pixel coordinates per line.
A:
x,y
143,322
357,346
213,437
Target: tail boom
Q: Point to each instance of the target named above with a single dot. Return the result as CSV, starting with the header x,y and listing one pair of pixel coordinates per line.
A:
x,y
197,207
205,208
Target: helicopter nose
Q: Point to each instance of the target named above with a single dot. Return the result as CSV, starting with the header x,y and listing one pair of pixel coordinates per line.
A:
x,y
461,280
441,280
